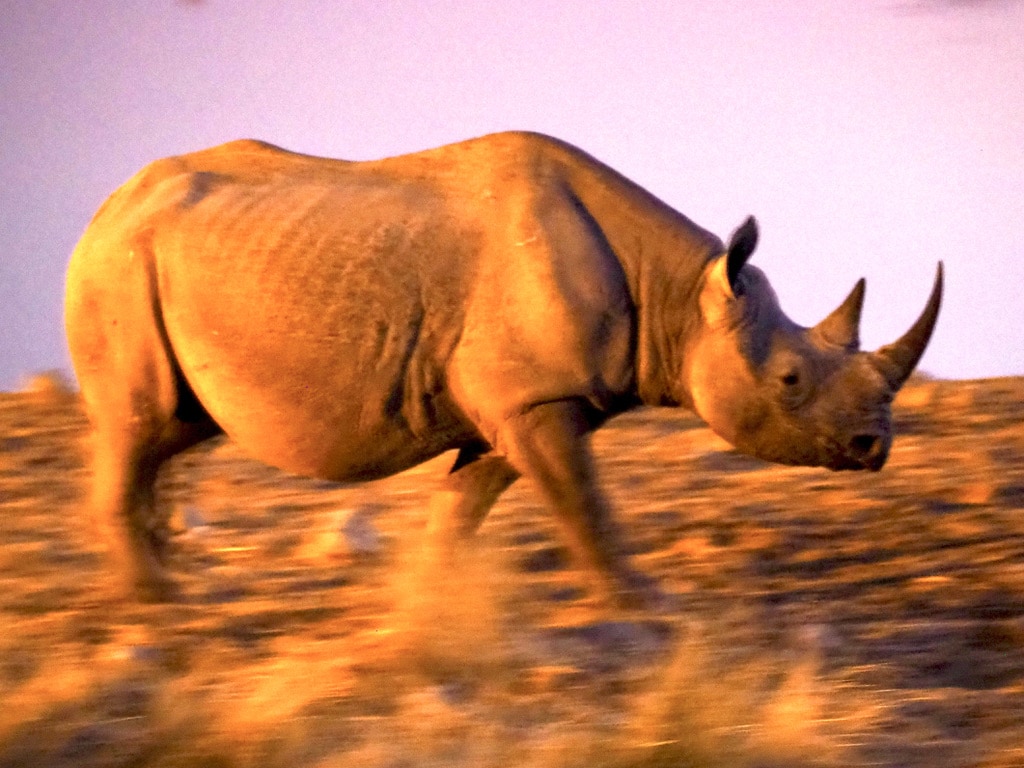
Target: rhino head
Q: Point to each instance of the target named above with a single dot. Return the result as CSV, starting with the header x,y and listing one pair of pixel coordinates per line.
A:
x,y
789,394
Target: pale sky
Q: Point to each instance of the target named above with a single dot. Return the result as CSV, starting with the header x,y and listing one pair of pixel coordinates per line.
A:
x,y
869,138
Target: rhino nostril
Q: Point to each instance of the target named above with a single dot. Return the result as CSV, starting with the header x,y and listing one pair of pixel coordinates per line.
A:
x,y
865,446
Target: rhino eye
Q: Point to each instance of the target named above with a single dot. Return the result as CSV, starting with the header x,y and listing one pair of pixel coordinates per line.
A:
x,y
794,391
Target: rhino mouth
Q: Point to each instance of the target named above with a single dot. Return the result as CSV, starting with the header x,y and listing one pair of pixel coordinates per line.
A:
x,y
869,450
846,463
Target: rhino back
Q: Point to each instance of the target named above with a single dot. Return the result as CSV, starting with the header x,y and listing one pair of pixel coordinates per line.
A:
x,y
312,313
346,319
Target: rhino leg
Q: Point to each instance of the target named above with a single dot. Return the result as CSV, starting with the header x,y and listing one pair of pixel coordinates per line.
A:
x,y
125,462
142,411
549,444
470,490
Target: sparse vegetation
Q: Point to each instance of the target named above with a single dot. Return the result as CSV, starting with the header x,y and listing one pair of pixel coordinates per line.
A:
x,y
820,619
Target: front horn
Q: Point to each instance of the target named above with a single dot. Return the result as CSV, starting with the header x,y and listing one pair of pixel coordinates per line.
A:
x,y
896,361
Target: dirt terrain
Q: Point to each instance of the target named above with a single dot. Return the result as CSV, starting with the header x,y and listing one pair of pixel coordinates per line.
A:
x,y
815,618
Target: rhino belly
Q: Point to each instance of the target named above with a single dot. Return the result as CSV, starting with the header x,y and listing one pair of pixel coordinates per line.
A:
x,y
333,420
350,392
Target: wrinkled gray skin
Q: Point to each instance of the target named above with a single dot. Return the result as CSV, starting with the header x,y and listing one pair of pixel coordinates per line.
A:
x,y
503,297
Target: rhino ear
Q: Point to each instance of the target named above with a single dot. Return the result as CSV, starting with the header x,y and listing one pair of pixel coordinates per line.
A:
x,y
722,280
741,245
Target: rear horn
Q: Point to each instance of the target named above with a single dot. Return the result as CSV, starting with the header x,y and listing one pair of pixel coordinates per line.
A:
x,y
842,327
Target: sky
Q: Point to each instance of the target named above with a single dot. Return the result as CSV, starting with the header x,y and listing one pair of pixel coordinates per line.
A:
x,y
870,139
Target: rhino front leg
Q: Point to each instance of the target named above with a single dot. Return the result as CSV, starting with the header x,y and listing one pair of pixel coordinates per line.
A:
x,y
549,444
470,490
455,512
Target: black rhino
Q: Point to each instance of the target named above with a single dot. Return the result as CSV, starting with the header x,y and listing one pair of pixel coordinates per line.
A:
x,y
503,296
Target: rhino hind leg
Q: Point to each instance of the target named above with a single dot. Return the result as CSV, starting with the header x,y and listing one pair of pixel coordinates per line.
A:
x,y
141,409
126,459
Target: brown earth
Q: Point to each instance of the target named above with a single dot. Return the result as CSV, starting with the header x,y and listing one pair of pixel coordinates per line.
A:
x,y
818,618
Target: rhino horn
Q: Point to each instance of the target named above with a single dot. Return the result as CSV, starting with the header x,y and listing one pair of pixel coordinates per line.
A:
x,y
896,361
842,327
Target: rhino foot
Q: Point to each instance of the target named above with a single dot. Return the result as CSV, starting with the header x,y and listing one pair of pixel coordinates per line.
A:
x,y
156,590
636,591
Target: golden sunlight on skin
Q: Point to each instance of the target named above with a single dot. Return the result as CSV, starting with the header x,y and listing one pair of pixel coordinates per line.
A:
x,y
852,157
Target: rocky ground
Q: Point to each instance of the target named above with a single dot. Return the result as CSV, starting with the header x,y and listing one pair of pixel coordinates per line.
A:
x,y
819,618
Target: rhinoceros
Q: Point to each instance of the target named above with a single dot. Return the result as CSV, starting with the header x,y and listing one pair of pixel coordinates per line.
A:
x,y
501,297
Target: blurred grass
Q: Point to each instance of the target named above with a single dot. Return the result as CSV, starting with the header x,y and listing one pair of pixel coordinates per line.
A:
x,y
828,620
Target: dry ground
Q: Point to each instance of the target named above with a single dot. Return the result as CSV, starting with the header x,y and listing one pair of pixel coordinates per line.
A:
x,y
818,618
